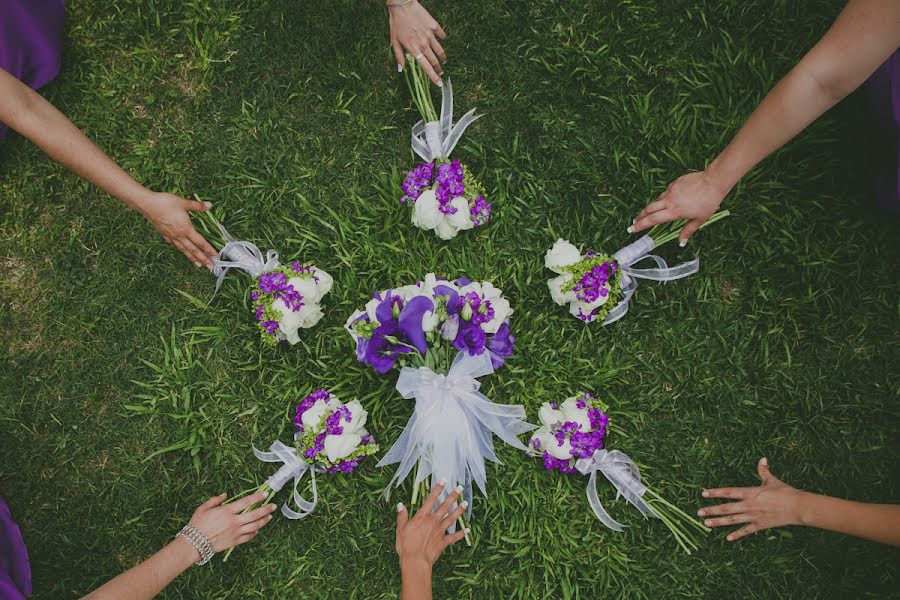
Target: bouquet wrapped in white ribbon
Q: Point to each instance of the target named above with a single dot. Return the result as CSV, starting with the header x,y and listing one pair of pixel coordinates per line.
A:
x,y
600,286
286,298
444,336
330,437
572,438
444,194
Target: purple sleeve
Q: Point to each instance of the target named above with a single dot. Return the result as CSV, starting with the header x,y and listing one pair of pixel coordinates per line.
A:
x,y
15,571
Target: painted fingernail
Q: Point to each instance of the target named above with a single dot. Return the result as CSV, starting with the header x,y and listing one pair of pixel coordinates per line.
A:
x,y
634,221
440,84
399,68
272,508
207,204
466,531
459,489
442,482
400,507
269,518
764,461
730,538
705,494
630,229
707,522
700,513
197,264
464,504
682,243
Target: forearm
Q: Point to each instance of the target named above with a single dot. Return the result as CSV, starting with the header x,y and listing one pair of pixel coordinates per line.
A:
x,y
865,34
416,581
32,116
876,522
149,578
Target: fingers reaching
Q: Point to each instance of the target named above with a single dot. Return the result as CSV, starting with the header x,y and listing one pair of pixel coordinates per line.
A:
x,y
197,206
248,501
689,230
728,508
257,513
402,516
746,530
204,246
399,55
661,216
431,500
427,60
762,469
213,502
438,52
728,520
449,501
454,516
733,493
455,537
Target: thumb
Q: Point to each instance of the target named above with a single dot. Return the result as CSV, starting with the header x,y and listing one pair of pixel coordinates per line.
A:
x,y
197,206
402,516
762,469
689,230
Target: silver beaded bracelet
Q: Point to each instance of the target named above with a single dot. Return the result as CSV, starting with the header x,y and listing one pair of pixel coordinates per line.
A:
x,y
199,541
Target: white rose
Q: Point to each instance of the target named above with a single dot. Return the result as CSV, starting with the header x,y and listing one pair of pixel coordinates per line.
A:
x,y
325,281
556,286
502,311
289,321
426,214
314,414
473,286
358,417
371,305
550,444
430,321
549,416
562,254
306,287
338,447
407,292
445,229
587,307
544,437
572,413
309,315
462,218
353,319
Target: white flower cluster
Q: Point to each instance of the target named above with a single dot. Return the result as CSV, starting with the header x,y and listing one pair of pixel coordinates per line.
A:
x,y
427,215
313,290
351,420
562,255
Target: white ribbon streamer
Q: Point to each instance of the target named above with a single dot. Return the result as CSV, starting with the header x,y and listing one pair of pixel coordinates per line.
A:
x,y
293,467
245,256
437,139
634,253
625,476
450,432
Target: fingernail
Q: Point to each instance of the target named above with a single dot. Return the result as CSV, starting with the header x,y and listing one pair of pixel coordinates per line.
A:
x,y
207,204
705,494
442,482
630,229
400,507
707,522
634,221
730,538
699,513
459,489
440,84
464,504
682,243
764,461
197,264
399,68
272,508
269,518
466,531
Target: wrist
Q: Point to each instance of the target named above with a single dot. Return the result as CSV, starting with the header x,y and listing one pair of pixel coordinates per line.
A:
x,y
184,552
722,176
139,199
806,508
415,566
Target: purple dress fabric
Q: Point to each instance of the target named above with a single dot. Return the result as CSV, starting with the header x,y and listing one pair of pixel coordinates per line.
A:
x,y
15,572
883,89
31,41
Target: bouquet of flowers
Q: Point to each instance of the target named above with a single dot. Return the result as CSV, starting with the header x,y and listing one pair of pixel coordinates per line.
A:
x,y
444,335
571,439
587,282
286,298
445,196
330,437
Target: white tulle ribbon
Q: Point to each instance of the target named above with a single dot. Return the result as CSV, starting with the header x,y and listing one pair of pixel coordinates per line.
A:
x,y
450,432
634,253
293,467
241,255
437,139
625,476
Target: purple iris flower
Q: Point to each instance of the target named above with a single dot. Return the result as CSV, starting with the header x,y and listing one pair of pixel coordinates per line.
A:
x,y
471,338
382,354
410,321
451,294
501,346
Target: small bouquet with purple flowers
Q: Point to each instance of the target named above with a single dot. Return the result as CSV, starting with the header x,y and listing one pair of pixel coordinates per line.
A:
x,y
572,439
445,196
286,298
600,286
444,335
330,437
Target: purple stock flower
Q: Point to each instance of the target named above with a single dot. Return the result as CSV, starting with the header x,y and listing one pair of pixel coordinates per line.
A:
x,y
471,338
417,181
480,209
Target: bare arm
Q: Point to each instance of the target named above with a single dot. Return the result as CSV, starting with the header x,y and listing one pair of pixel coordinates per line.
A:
x,y
31,115
222,524
775,504
863,37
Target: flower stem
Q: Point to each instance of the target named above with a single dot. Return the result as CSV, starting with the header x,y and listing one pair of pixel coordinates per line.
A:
x,y
263,488
666,232
676,520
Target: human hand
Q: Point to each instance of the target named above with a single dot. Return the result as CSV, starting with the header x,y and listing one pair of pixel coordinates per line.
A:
x,y
413,28
422,538
225,526
169,214
695,197
772,504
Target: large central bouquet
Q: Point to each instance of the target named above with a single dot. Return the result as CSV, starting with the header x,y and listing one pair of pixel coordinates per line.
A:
x,y
443,335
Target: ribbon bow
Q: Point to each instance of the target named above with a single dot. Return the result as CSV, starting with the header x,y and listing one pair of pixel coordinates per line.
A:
x,y
634,253
295,468
625,476
450,432
436,139
241,255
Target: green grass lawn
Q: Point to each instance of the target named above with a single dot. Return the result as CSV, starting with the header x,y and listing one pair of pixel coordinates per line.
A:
x,y
292,119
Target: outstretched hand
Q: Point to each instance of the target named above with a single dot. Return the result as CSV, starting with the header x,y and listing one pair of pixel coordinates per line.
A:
x,y
169,214
225,526
413,28
423,538
695,197
772,504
